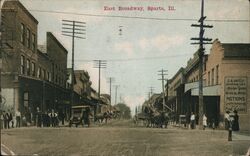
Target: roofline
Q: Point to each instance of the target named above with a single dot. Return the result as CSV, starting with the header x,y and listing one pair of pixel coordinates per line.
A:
x,y
23,8
57,41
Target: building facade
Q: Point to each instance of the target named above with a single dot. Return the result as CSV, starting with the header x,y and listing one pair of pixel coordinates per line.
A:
x,y
226,76
30,77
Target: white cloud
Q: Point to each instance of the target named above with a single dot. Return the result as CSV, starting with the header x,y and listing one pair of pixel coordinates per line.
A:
x,y
125,47
226,13
161,42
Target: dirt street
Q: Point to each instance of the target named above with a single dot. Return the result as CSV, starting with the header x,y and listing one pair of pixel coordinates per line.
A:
x,y
117,139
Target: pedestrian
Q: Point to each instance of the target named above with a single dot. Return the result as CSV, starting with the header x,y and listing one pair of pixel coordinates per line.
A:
x,y
85,117
10,119
213,124
63,118
18,118
235,126
5,120
192,119
38,117
1,120
204,121
226,118
53,117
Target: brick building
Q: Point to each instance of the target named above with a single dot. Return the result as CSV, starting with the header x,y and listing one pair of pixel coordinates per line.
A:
x,y
226,76
31,77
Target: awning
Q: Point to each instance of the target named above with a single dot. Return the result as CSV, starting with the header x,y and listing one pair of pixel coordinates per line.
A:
x,y
207,91
192,85
86,101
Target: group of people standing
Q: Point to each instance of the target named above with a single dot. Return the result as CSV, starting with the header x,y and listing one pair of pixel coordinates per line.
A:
x,y
193,120
232,121
48,118
11,118
7,119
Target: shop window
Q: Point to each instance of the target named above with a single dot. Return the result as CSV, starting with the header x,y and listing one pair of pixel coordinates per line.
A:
x,y
26,99
22,65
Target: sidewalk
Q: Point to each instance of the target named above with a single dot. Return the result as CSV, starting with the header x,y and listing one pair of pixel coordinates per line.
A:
x,y
240,136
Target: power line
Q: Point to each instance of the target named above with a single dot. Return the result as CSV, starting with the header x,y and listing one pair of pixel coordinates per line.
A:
x,y
136,59
139,17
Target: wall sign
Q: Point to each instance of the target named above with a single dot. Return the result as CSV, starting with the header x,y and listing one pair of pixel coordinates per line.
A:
x,y
236,94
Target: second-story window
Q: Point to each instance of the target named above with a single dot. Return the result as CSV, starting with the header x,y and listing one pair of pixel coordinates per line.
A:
x,y
28,66
22,65
39,72
33,42
212,77
28,38
33,69
43,74
217,74
22,34
208,78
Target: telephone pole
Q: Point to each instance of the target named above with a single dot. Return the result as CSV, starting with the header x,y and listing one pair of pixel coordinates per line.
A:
x,y
99,64
151,91
201,50
162,73
110,80
116,87
73,29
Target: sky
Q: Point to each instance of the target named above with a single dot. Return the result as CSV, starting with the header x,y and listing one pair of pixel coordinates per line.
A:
x,y
146,44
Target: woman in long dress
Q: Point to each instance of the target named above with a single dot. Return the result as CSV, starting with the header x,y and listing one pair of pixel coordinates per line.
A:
x,y
204,121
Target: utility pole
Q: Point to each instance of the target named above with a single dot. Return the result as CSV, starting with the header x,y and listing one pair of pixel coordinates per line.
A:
x,y
116,87
73,29
99,64
162,74
201,50
1,50
110,80
151,91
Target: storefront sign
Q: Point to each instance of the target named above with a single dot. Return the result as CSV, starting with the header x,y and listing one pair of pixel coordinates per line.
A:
x,y
236,94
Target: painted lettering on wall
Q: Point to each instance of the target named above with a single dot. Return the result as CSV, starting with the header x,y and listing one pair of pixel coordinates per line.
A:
x,y
236,94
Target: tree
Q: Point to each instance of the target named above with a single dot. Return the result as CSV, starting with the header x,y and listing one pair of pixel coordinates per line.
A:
x,y
125,112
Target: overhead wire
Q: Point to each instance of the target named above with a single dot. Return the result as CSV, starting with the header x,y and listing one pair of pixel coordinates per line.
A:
x,y
138,17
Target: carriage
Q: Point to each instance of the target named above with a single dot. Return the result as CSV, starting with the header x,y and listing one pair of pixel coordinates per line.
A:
x,y
77,114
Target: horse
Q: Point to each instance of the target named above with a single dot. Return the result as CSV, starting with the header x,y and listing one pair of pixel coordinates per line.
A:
x,y
102,116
